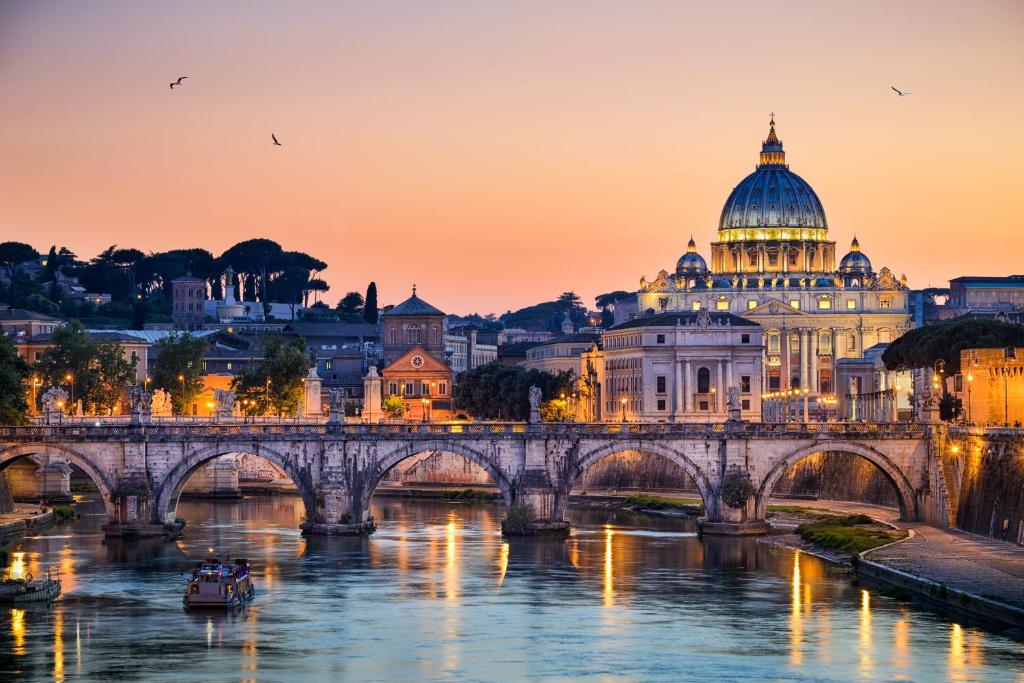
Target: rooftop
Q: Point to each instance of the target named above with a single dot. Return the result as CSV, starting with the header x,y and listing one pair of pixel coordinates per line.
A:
x,y
685,318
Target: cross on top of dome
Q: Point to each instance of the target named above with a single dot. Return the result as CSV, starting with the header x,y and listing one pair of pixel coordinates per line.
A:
x,y
772,153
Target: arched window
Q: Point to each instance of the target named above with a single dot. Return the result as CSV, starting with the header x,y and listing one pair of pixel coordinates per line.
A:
x,y
703,381
773,342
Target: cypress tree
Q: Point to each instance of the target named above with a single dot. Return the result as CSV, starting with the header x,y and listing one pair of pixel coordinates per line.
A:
x,y
370,304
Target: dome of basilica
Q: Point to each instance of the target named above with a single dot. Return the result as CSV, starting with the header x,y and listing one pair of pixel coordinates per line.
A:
x,y
691,263
772,196
855,261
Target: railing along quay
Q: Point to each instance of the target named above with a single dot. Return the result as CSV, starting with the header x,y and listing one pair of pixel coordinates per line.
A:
x,y
292,429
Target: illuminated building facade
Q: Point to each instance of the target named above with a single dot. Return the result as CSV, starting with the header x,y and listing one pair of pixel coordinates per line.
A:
x,y
773,264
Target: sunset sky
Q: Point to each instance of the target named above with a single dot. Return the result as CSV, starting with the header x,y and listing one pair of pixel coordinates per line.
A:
x,y
497,154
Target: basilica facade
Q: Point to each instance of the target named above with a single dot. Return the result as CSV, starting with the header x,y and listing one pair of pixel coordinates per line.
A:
x,y
774,264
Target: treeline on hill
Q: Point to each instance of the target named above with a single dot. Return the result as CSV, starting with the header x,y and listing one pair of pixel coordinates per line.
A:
x,y
924,346
502,392
548,315
139,284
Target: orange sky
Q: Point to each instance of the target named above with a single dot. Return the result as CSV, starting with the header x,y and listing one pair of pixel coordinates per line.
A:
x,y
498,155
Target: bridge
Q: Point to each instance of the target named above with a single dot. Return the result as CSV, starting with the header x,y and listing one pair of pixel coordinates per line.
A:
x,y
140,469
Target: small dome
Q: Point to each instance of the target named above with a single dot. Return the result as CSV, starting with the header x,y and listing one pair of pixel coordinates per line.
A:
x,y
691,263
855,261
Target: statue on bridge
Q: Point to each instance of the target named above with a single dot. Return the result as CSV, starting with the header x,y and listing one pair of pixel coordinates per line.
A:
x,y
733,404
54,401
140,404
337,407
161,404
225,400
535,396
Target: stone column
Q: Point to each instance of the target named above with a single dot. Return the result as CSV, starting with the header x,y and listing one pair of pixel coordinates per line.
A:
x,y
803,358
720,390
677,405
687,387
784,355
814,362
373,390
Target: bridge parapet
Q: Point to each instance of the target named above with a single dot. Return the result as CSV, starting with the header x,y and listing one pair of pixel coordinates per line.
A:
x,y
316,431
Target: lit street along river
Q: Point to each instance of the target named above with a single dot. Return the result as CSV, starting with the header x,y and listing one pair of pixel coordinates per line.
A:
x,y
437,593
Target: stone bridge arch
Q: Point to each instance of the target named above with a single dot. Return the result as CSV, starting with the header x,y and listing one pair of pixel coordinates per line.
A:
x,y
172,483
361,494
583,462
905,492
104,482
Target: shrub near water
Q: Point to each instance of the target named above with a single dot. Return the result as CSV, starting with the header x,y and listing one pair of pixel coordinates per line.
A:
x,y
848,533
519,516
63,513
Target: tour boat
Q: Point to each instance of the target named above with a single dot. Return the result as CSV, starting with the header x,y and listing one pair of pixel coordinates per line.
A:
x,y
25,589
214,584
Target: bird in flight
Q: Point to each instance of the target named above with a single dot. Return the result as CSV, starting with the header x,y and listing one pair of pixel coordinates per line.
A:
x,y
274,138
898,92
178,82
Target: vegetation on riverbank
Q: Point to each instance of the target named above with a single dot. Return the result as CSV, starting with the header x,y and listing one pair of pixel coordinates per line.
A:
x,y
472,495
63,513
645,502
848,533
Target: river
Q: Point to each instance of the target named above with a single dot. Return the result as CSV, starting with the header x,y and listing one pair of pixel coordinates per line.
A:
x,y
437,594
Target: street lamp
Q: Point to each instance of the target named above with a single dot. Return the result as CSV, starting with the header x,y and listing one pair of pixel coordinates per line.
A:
x,y
181,378
36,383
425,402
623,402
807,393
71,384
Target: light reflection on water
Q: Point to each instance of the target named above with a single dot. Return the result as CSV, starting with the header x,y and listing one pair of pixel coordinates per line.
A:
x,y
438,593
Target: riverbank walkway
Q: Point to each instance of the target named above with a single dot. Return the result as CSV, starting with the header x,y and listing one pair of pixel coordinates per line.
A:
x,y
961,560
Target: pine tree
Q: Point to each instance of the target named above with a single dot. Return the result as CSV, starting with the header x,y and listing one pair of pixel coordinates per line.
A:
x,y
370,304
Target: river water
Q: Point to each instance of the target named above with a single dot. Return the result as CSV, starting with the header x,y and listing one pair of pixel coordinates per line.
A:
x,y
437,594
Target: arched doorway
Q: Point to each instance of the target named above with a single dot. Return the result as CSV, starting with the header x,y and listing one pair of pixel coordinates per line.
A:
x,y
905,497
168,495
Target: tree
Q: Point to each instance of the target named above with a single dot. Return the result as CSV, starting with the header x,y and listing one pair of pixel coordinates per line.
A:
x,y
256,258
350,308
315,285
291,286
178,368
69,361
112,374
394,406
922,347
13,373
276,383
496,391
370,313
13,254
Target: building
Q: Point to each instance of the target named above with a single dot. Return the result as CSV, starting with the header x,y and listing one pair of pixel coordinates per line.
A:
x,y
866,390
561,354
773,264
674,367
1001,298
20,323
414,359
188,297
465,350
991,386
515,353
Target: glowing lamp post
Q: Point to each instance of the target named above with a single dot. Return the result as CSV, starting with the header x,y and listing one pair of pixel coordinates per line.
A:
x,y
623,403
